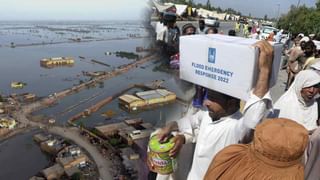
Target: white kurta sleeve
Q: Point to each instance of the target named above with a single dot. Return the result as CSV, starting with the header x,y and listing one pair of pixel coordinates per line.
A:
x,y
255,110
189,126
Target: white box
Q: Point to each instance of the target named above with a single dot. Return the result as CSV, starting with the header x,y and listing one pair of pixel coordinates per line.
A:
x,y
223,63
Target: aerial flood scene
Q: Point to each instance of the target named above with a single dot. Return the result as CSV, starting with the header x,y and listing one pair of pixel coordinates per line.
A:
x,y
121,90
61,82
93,63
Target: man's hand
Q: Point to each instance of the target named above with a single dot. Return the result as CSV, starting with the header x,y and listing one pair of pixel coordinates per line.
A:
x,y
266,55
150,164
178,141
265,67
164,133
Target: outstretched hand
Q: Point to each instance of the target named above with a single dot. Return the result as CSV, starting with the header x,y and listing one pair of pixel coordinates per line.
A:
x,y
266,55
265,67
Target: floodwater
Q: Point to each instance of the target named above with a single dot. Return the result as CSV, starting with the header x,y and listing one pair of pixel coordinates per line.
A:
x,y
36,40
21,157
23,63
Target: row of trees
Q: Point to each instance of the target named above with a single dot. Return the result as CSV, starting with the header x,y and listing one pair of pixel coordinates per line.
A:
x,y
302,20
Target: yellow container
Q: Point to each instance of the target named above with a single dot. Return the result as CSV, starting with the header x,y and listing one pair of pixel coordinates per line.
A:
x,y
159,156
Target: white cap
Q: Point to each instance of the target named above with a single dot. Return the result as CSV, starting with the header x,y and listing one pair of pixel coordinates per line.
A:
x,y
301,35
305,39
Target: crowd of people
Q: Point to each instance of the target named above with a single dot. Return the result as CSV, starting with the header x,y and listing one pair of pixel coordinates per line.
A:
x,y
263,141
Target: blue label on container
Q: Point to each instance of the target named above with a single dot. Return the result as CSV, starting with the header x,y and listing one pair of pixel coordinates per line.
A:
x,y
212,55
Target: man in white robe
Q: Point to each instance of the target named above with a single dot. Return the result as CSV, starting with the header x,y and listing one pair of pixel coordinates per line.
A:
x,y
221,123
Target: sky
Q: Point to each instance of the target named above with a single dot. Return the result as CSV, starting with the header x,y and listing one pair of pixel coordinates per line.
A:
x,y
124,9
259,8
72,9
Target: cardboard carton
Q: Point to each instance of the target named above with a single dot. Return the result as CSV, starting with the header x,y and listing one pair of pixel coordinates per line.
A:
x,y
223,63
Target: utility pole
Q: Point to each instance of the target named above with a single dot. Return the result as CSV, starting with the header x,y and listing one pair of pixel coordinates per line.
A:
x,y
298,3
278,15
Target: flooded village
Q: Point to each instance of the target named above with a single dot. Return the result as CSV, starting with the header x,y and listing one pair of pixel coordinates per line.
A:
x,y
87,103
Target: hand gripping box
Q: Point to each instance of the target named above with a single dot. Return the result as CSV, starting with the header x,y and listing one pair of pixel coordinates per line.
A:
x,y
224,63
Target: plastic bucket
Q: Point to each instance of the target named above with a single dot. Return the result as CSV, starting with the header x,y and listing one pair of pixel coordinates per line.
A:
x,y
159,155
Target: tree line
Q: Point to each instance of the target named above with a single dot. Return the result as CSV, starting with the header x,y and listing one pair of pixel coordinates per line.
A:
x,y
302,19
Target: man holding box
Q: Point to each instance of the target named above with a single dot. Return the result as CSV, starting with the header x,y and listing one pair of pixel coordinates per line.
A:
x,y
222,124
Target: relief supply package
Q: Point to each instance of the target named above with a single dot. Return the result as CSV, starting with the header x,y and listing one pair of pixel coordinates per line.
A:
x,y
224,63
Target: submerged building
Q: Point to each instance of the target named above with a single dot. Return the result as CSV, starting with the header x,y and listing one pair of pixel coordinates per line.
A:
x,y
56,61
17,85
8,123
146,99
53,172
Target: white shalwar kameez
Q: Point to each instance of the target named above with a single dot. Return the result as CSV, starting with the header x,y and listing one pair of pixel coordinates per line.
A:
x,y
212,136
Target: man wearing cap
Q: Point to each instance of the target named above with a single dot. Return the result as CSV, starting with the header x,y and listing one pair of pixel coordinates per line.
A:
x,y
221,123
188,29
275,153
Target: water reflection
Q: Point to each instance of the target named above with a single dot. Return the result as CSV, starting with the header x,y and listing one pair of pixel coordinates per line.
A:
x,y
21,157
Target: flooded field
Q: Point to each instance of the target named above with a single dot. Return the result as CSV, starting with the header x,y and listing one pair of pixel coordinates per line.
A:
x,y
43,32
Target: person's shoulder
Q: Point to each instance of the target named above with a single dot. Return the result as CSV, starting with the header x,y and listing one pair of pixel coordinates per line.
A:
x,y
198,115
296,50
201,113
237,115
